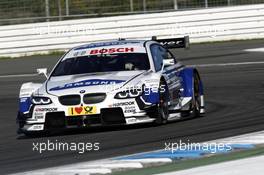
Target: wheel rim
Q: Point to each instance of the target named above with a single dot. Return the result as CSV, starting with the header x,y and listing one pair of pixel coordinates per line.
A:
x,y
163,106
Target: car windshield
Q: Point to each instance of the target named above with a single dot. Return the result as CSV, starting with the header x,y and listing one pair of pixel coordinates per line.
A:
x,y
102,63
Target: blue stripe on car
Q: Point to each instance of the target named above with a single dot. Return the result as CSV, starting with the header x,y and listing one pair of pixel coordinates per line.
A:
x,y
91,82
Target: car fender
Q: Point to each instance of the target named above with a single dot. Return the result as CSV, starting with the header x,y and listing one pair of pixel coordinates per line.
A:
x,y
26,90
187,75
152,87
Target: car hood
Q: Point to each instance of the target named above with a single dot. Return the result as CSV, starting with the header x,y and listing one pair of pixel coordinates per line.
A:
x,y
90,83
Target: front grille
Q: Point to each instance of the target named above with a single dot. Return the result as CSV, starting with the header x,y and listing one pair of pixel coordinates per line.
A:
x,y
94,98
55,120
112,116
79,120
69,100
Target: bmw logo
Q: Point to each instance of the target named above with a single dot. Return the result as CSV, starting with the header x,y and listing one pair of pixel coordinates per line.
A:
x,y
82,91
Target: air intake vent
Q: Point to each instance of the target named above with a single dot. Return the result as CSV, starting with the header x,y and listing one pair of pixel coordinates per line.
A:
x,y
94,98
69,100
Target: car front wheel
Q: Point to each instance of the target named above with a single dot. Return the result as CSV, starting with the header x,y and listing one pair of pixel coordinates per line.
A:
x,y
162,108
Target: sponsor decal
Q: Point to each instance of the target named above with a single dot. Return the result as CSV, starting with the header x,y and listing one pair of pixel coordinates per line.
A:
x,y
23,100
173,43
36,127
38,115
129,109
86,51
79,53
46,109
91,82
82,110
111,50
124,104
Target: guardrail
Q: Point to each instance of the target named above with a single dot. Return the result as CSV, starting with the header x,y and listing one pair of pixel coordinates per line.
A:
x,y
206,25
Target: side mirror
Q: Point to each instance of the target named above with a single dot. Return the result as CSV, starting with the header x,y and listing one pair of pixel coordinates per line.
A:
x,y
43,71
168,62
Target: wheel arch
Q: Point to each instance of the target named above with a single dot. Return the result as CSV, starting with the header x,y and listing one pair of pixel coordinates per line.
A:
x,y
187,76
26,90
153,97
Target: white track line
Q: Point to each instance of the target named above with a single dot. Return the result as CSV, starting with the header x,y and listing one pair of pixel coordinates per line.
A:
x,y
76,171
18,75
111,165
255,138
255,50
148,160
228,64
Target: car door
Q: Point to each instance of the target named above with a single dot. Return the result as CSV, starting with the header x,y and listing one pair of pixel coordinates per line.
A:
x,y
166,63
171,71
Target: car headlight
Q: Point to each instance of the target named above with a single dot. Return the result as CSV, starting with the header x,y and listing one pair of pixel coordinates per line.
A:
x,y
41,100
128,94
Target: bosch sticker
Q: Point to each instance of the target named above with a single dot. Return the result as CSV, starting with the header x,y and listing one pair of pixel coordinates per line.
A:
x,y
111,50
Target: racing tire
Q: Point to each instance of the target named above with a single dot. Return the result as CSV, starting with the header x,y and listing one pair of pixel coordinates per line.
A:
x,y
196,100
162,108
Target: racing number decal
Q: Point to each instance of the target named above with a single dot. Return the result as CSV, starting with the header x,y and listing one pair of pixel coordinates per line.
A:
x,y
82,110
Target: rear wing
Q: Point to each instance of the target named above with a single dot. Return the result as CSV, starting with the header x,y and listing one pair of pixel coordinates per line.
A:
x,y
173,43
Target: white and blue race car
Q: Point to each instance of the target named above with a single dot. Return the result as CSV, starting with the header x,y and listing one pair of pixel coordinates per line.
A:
x,y
120,82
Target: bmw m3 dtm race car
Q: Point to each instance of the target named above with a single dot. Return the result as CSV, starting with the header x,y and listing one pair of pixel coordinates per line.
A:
x,y
120,82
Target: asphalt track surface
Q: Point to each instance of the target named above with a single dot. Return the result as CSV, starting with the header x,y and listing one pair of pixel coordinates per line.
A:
x,y
234,98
